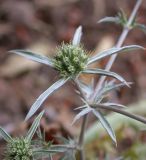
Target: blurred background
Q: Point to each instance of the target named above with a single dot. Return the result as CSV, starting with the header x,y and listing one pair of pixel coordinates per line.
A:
x,y
41,25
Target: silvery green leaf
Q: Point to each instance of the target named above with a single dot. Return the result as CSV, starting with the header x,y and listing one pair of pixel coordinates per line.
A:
x,y
34,126
111,87
82,113
77,36
141,27
120,111
44,95
114,105
5,135
108,88
110,19
105,124
60,148
112,51
105,73
81,107
44,153
33,56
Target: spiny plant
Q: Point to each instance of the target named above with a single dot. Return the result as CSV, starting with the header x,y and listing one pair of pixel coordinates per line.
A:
x,y
20,148
71,60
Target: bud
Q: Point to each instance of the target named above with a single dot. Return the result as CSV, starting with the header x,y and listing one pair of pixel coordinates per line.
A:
x,y
70,60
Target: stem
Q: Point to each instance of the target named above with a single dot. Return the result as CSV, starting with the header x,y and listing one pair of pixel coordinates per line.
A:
x,y
119,44
83,126
81,138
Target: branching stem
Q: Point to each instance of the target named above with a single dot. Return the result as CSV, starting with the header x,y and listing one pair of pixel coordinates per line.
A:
x,y
102,79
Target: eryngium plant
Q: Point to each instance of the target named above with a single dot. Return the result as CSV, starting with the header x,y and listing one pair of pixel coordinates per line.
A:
x,y
21,148
71,60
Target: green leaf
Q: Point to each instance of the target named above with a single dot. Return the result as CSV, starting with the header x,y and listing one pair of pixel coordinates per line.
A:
x,y
112,51
81,114
110,19
34,126
105,124
105,73
123,18
43,97
142,27
5,135
33,56
77,36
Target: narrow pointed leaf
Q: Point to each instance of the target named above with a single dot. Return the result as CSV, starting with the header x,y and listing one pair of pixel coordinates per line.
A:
x,y
114,105
112,51
109,19
46,151
105,124
109,88
33,56
105,73
81,107
106,89
82,113
142,27
77,36
120,111
5,135
34,126
43,97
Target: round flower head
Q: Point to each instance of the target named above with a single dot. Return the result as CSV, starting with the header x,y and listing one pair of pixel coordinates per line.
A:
x,y
70,60
19,149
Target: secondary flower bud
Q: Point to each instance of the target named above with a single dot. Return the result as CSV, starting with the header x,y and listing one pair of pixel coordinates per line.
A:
x,y
19,148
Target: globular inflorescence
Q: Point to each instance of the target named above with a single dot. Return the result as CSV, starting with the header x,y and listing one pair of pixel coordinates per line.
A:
x,y
19,149
70,60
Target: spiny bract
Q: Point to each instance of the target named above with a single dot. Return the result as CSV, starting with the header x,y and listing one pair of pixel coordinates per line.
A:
x,y
70,60
19,149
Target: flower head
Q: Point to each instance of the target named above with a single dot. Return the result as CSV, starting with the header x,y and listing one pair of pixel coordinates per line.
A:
x,y
70,60
19,149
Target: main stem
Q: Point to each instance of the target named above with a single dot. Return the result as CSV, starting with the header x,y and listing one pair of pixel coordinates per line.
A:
x,y
108,67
